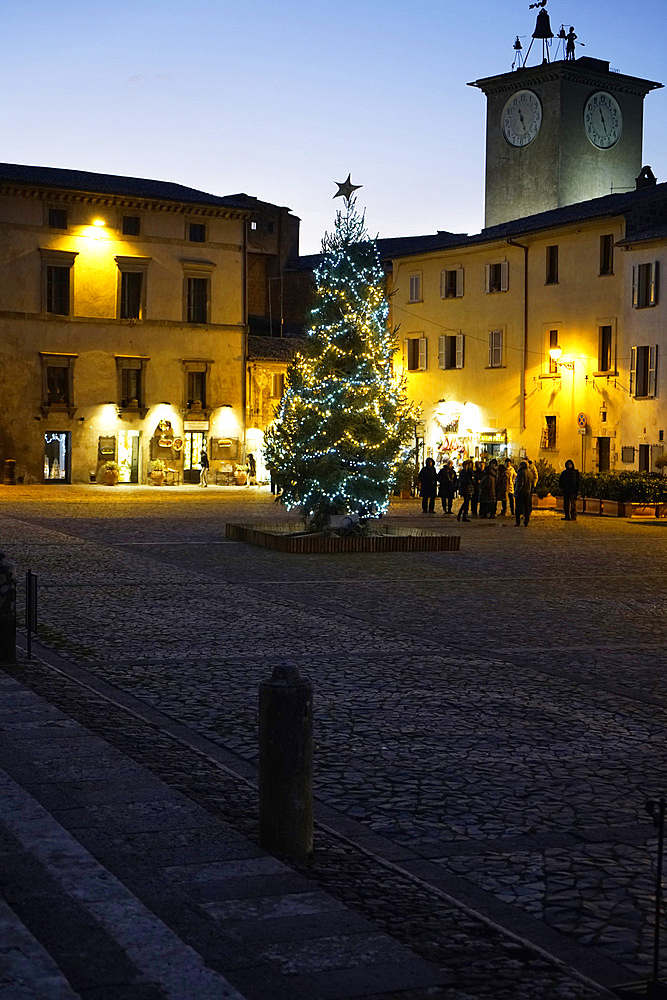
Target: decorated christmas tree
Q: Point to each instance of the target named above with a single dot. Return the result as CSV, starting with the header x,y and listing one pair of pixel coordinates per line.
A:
x,y
344,424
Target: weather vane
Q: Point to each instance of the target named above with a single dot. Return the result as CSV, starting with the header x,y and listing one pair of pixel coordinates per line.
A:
x,y
345,189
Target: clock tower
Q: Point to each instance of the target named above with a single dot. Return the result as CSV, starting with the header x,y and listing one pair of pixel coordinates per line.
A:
x,y
560,133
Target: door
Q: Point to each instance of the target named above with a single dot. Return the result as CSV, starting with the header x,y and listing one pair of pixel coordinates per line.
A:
x,y
194,444
603,454
57,457
128,456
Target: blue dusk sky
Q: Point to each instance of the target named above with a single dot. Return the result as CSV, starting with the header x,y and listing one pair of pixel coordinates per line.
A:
x,y
282,100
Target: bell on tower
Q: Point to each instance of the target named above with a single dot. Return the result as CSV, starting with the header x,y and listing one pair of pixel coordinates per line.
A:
x,y
542,30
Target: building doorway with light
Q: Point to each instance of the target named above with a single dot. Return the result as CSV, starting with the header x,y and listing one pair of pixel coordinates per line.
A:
x,y
128,456
195,443
57,457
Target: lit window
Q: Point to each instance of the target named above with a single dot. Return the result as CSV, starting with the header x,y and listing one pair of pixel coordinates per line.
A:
x,y
553,343
277,385
549,434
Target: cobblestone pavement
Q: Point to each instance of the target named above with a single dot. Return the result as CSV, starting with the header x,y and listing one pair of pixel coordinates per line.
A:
x,y
488,723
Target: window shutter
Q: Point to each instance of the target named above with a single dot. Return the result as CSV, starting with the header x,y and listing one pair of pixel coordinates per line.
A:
x,y
653,287
487,277
443,284
504,276
652,367
459,350
406,355
459,284
442,347
422,354
633,368
635,286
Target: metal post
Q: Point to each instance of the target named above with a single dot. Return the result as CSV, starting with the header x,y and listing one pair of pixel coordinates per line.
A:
x,y
30,608
7,611
286,763
656,811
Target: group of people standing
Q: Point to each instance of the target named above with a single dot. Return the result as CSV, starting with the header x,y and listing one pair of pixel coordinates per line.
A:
x,y
484,485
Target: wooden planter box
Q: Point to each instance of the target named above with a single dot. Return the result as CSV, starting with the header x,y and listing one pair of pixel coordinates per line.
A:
x,y
612,508
589,505
643,510
547,502
287,538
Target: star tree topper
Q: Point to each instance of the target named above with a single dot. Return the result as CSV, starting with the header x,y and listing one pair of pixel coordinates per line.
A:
x,y
345,189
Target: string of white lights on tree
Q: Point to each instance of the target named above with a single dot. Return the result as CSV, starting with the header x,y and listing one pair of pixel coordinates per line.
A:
x,y
344,423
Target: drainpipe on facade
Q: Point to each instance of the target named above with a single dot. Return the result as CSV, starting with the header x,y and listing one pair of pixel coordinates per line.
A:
x,y
244,387
523,247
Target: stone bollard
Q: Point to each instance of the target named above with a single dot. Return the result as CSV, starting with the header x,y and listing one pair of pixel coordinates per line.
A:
x,y
286,763
7,611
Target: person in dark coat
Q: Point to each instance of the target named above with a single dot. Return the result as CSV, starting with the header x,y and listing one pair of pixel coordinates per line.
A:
x,y
569,482
477,470
523,495
204,465
428,486
487,490
448,481
466,489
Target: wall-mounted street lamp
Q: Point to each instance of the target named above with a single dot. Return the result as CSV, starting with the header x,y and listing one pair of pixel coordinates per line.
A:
x,y
555,354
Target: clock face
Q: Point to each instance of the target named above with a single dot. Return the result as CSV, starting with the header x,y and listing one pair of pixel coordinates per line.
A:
x,y
521,118
603,120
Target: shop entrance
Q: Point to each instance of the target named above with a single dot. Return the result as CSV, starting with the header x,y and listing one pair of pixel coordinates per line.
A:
x,y
195,443
57,457
128,456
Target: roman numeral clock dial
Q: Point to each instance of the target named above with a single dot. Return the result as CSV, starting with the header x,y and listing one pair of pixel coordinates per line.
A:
x,y
521,118
603,120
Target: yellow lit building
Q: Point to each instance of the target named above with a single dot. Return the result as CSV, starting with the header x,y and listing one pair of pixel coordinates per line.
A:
x,y
124,315
544,335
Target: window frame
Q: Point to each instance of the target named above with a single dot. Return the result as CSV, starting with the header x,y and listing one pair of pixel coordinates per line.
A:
x,y
551,262
131,265
451,288
64,260
645,280
61,361
420,354
496,277
496,348
606,255
131,362
125,230
196,366
648,372
549,439
196,225
451,347
51,222
277,379
415,286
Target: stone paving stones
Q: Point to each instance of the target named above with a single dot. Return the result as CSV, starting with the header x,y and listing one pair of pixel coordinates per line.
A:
x,y
501,716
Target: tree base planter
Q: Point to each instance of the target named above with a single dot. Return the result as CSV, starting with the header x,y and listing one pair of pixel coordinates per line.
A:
x,y
284,538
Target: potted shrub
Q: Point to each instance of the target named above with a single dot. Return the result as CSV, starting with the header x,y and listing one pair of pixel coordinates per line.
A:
x,y
157,472
547,485
111,473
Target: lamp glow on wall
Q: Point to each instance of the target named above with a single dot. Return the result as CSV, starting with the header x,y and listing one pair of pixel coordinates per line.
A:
x,y
555,354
